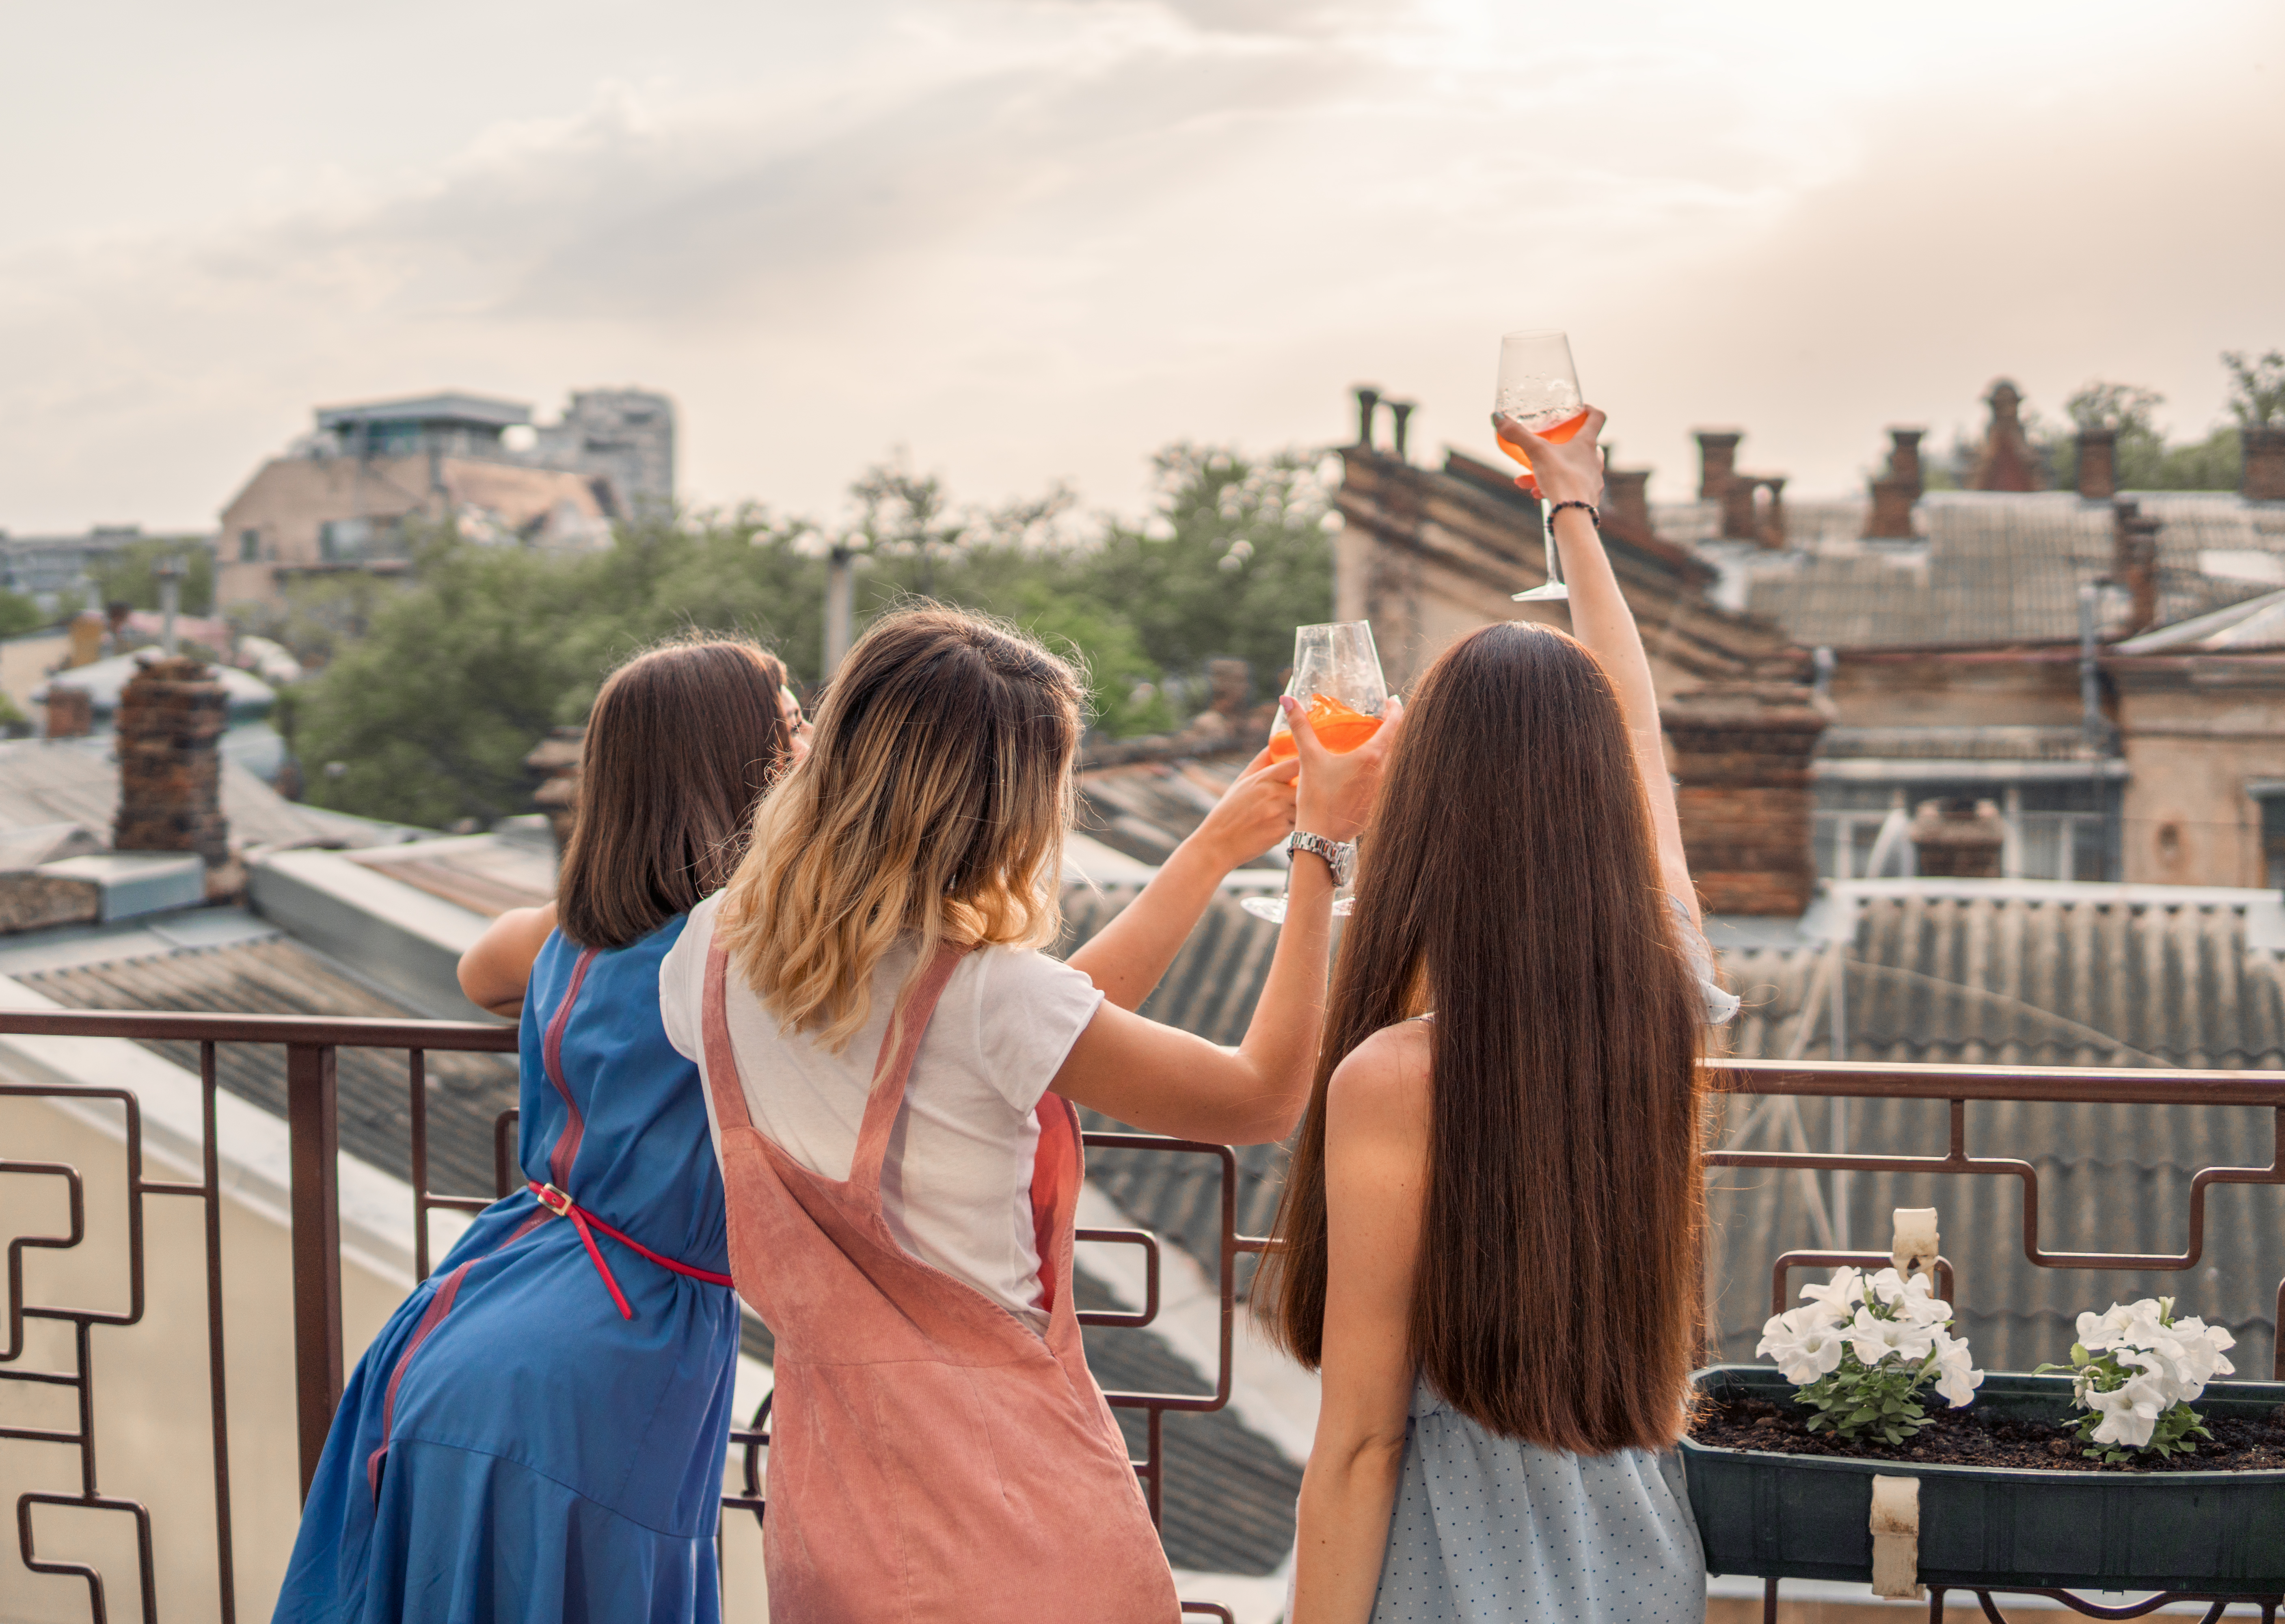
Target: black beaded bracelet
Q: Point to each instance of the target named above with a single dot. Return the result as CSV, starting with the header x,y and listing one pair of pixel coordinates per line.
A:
x,y
1593,517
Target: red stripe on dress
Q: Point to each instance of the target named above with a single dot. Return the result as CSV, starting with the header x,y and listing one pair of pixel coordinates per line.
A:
x,y
550,1059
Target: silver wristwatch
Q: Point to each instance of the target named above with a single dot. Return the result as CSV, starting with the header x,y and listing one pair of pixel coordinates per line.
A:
x,y
1339,855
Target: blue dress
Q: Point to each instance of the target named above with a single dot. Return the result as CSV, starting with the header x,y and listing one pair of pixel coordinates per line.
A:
x,y
513,1450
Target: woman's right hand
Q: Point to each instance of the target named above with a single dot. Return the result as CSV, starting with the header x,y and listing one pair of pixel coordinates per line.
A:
x,y
1336,792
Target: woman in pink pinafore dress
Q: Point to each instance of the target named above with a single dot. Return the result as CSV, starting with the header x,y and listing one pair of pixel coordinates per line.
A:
x,y
893,1066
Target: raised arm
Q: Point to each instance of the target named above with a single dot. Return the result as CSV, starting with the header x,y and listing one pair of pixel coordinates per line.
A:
x,y
1573,471
1128,955
1169,1081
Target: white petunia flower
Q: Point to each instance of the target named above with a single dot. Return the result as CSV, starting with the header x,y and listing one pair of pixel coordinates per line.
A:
x,y
2129,1413
1874,1339
1837,1298
2098,1331
1805,1344
1957,1377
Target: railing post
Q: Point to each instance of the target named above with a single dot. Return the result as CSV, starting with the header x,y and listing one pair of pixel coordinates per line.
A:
x,y
313,1122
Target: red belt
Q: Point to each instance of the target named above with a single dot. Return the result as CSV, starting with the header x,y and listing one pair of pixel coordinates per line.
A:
x,y
559,1202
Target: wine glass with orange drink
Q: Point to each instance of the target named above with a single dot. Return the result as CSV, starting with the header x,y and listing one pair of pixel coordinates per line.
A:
x,y
1538,390
1337,678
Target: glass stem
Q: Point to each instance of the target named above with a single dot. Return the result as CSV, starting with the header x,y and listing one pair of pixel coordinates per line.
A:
x,y
1554,555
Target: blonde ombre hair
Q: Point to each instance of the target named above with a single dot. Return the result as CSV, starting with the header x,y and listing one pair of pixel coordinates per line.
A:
x,y
933,803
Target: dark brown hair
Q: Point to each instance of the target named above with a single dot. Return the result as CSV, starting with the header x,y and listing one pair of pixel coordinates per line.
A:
x,y
933,803
681,742
1512,886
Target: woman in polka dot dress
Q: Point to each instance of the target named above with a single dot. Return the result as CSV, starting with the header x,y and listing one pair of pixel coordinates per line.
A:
x,y
1489,1241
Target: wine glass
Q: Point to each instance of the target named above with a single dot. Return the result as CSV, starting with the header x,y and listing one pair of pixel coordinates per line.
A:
x,y
1337,676
1538,390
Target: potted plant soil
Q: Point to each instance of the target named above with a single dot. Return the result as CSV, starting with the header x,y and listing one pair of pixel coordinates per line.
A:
x,y
2132,1469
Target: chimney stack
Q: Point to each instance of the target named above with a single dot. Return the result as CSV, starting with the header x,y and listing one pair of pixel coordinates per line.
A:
x,y
1773,520
1958,838
2262,475
558,758
171,717
1739,520
1895,492
1626,500
2134,564
86,634
71,711
2098,464
1717,464
1368,399
1741,750
1399,414
1905,457
2007,461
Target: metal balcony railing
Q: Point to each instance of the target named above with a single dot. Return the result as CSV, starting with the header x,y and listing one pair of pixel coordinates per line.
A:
x,y
312,1044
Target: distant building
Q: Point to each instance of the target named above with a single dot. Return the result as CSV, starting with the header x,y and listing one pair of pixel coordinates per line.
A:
x,y
56,571
352,494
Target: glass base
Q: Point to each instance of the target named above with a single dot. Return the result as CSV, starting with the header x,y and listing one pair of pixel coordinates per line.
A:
x,y
1273,908
1554,589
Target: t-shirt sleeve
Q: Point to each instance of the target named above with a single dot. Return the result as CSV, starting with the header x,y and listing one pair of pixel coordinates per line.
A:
x,y
682,980
1031,1010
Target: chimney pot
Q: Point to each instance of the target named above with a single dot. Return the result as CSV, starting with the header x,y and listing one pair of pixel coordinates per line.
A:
x,y
71,711
1368,400
2098,464
1717,463
171,717
2262,475
1773,519
1626,504
1958,838
1400,413
2134,564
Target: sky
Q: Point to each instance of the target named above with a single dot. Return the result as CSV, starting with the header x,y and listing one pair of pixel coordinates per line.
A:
x,y
1030,240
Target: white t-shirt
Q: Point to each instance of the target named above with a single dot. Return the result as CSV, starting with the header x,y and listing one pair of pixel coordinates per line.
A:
x,y
956,1187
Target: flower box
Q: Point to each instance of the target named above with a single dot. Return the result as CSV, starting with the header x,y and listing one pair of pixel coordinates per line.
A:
x,y
1807,1517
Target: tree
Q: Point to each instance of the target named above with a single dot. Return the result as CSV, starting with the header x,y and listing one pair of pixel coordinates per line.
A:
x,y
2144,460
130,575
18,615
2257,395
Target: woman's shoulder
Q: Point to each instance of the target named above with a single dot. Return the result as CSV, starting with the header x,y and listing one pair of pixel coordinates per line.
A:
x,y
1383,1082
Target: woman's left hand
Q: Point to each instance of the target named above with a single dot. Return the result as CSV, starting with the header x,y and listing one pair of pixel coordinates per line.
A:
x,y
1254,813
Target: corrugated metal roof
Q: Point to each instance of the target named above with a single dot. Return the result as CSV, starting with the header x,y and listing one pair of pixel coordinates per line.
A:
x,y
77,781
278,976
2001,567
2031,974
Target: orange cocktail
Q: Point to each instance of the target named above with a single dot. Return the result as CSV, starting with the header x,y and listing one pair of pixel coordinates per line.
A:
x,y
1339,728
1559,433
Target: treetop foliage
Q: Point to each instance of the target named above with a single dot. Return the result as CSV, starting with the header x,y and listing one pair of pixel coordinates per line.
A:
x,y
432,692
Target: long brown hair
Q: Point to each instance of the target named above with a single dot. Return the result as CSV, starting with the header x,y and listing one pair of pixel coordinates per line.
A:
x,y
1513,887
933,803
682,740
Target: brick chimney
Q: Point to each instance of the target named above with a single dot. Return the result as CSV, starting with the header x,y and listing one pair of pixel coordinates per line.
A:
x,y
2007,461
71,711
171,717
2262,476
2098,464
2135,563
1626,500
1368,400
1895,492
1717,464
1904,456
1772,529
1958,838
1741,751
558,758
1738,522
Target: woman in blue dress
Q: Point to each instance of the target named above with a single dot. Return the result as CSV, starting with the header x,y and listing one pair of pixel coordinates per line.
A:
x,y
538,1434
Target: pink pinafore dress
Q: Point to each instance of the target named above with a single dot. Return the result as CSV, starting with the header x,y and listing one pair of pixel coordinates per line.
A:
x,y
932,1460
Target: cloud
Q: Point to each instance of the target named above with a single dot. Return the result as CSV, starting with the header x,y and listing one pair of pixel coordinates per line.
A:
x,y
1034,241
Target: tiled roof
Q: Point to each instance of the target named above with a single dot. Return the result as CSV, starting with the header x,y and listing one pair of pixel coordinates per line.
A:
x,y
2005,568
2031,974
485,873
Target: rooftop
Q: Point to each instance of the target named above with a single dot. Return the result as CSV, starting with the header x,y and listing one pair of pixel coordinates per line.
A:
x,y
451,407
